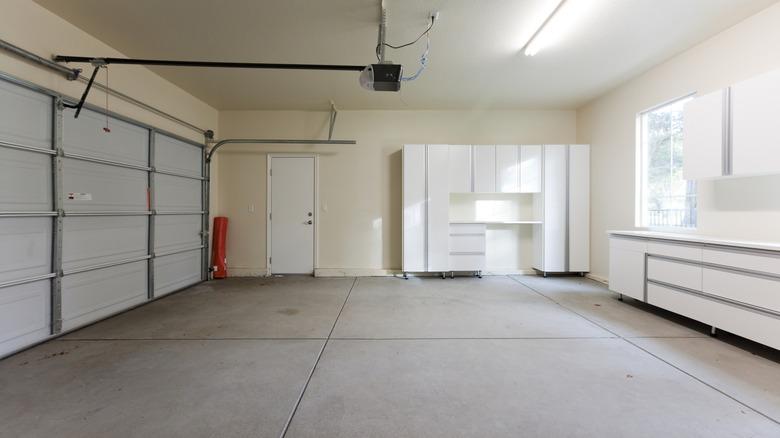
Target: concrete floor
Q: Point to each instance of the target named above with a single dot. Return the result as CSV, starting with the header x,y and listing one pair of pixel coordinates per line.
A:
x,y
498,356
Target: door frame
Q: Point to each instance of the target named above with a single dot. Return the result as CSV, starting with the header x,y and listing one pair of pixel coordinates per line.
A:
x,y
268,203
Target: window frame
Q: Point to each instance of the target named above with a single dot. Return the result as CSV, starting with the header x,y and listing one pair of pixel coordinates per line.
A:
x,y
641,173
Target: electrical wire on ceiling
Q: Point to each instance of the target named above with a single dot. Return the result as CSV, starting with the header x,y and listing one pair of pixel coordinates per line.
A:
x,y
423,57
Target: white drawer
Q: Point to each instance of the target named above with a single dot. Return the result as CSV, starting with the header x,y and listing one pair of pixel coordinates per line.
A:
x,y
676,273
467,243
757,326
680,251
769,263
467,262
754,290
467,228
628,244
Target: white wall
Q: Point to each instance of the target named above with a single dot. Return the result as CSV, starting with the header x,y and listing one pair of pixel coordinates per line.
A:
x,y
32,27
746,208
360,185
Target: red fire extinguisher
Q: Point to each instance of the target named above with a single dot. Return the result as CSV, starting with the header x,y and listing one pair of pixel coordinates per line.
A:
x,y
218,259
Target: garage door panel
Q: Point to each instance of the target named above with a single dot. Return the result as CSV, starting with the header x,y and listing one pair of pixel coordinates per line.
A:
x,y
176,271
25,247
176,232
173,193
25,181
89,241
108,188
24,315
91,295
177,156
25,116
126,143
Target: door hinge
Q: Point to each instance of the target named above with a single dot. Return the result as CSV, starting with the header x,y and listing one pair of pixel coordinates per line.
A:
x,y
270,216
270,172
270,260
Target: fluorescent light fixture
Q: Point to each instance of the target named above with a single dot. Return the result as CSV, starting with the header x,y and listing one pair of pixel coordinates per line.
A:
x,y
536,42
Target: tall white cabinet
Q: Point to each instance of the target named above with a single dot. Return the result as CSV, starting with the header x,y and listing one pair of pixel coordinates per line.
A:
x,y
415,214
562,241
437,181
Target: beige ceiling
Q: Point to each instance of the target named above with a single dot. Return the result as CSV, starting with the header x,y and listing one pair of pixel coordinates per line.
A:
x,y
475,60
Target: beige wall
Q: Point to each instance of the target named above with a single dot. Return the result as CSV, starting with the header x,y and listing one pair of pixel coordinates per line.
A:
x,y
738,208
30,26
360,185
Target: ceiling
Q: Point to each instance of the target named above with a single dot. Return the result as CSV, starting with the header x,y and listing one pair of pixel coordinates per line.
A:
x,y
475,58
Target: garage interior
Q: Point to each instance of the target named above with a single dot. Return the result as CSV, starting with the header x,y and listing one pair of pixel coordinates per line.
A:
x,y
389,218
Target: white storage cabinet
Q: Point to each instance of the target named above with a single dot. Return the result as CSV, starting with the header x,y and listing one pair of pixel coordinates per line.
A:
x,y
734,286
562,241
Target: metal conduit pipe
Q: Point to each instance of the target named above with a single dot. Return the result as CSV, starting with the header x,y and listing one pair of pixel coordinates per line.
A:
x,y
75,74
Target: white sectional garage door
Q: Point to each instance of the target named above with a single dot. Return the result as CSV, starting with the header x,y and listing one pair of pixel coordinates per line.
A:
x,y
91,222
178,203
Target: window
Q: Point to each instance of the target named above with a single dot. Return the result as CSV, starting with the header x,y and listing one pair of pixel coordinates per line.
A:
x,y
665,198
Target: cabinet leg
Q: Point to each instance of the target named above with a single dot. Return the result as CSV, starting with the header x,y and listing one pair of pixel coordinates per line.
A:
x,y
620,297
443,275
582,274
406,275
713,331
452,274
479,274
544,274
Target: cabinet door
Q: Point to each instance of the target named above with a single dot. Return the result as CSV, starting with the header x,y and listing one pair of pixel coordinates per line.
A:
x,y
703,151
555,208
484,169
414,200
579,208
460,168
755,105
530,169
438,207
627,267
507,169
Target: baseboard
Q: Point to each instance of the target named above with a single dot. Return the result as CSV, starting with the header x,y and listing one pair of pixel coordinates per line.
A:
x,y
243,271
368,272
510,272
355,272
598,278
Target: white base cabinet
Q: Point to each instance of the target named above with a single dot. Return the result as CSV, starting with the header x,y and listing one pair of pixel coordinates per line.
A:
x,y
734,286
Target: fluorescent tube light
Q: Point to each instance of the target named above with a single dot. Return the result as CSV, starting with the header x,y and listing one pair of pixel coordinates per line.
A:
x,y
535,43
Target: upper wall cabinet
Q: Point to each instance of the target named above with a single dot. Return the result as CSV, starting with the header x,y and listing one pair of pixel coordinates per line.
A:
x,y
733,132
484,168
530,169
706,139
460,168
755,112
507,169
519,169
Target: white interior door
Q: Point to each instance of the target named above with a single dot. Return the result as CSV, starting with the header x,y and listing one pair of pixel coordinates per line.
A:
x,y
292,216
